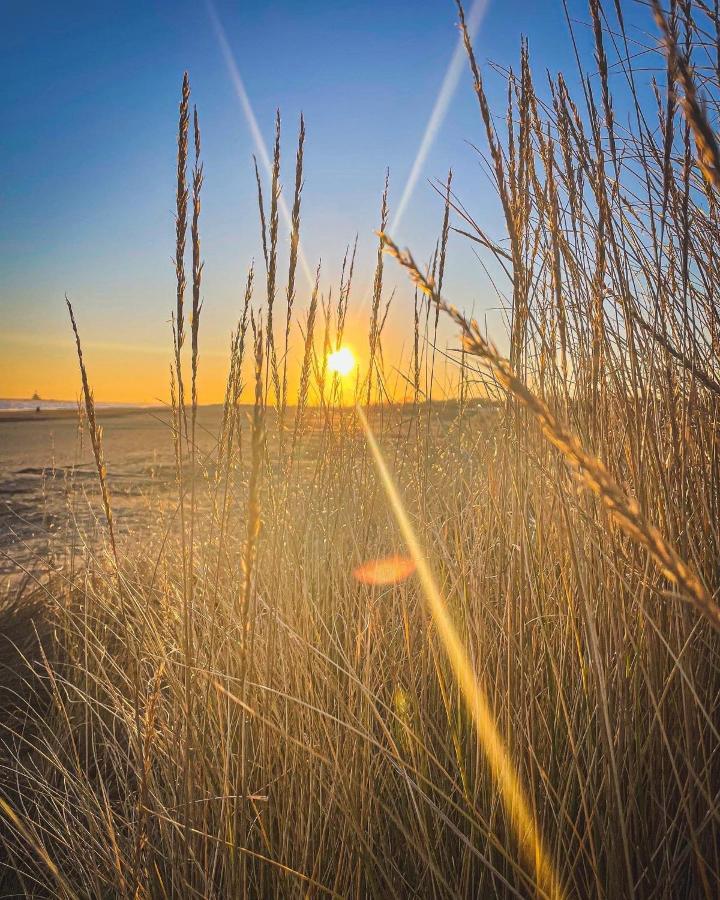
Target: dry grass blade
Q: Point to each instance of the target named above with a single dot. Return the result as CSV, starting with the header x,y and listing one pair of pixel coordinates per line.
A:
x,y
375,325
588,469
306,363
65,892
705,139
253,516
292,265
197,262
181,203
270,351
95,436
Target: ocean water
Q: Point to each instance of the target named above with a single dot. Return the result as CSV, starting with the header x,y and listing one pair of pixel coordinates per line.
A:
x,y
24,405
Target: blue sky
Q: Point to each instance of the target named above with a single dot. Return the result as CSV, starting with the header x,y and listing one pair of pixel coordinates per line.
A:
x,y
89,97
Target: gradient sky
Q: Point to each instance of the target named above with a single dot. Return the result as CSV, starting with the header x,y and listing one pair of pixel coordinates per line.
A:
x,y
89,96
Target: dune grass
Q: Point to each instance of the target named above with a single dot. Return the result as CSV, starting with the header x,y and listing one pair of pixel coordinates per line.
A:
x,y
224,709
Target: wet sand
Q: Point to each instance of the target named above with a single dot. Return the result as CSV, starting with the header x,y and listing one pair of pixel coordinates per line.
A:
x,y
48,477
49,492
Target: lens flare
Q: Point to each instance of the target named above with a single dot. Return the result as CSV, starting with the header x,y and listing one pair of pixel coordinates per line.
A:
x,y
388,570
342,361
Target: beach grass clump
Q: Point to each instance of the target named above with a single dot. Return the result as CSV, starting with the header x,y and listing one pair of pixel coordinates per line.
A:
x,y
458,638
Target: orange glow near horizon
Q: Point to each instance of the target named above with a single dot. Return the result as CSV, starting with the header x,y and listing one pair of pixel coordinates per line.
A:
x,y
126,371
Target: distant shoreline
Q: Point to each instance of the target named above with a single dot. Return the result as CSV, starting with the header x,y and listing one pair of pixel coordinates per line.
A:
x,y
18,414
106,411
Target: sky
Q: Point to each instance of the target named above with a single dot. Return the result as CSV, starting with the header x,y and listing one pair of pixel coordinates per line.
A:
x,y
89,97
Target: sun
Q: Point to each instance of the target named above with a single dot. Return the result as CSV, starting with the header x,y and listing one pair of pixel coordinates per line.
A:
x,y
341,361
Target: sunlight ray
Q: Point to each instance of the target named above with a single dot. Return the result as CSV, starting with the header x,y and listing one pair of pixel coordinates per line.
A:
x,y
489,738
437,116
248,112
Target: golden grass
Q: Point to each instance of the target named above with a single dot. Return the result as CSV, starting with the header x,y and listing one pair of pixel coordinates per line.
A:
x,y
260,694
